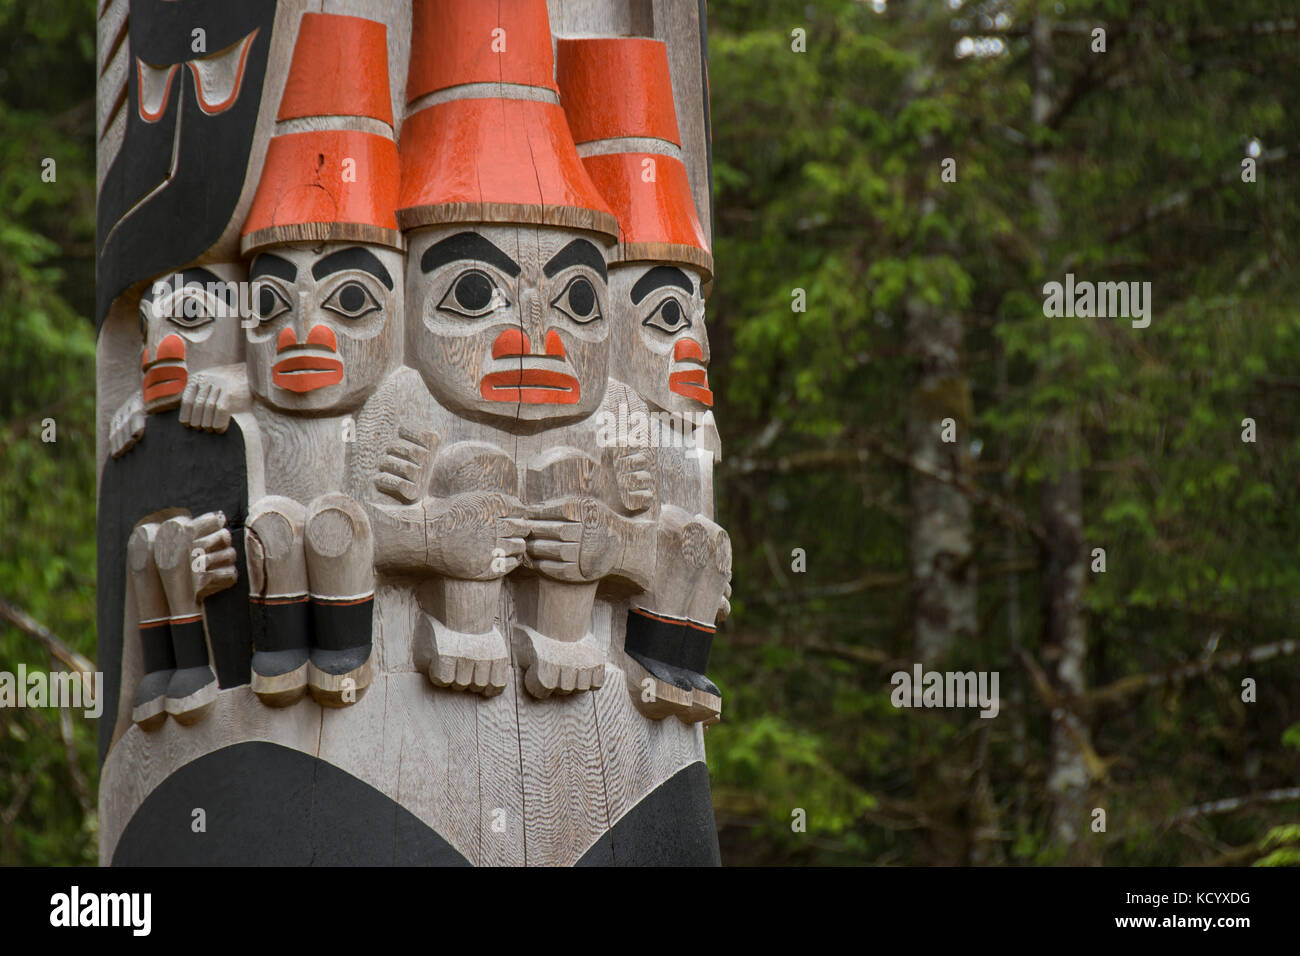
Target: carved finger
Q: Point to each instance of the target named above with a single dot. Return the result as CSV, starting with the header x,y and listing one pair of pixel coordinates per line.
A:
x,y
638,459
218,580
396,487
215,400
423,438
555,550
512,546
208,524
512,527
219,560
188,398
200,400
556,530
403,468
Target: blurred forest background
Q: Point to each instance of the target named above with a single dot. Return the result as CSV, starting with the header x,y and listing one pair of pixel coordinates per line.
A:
x,y
1171,157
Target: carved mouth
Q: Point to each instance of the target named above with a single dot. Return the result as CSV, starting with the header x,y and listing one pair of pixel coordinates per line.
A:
x,y
307,371
531,386
163,380
693,383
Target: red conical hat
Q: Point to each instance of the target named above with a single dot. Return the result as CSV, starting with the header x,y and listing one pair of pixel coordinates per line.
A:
x,y
487,140
338,183
618,96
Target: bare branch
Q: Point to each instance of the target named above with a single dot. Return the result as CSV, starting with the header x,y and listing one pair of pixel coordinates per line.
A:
x,y
33,628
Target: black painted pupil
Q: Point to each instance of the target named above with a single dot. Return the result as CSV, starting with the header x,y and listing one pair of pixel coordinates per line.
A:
x,y
266,302
582,297
672,313
352,298
473,292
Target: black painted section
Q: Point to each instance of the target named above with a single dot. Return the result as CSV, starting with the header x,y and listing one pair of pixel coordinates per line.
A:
x,y
672,826
189,213
172,466
268,805
337,627
281,627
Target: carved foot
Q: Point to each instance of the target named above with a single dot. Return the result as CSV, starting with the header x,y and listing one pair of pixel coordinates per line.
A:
x,y
658,690
191,692
149,708
558,667
478,663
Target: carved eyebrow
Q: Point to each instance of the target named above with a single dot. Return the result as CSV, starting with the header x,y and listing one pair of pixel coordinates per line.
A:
x,y
657,278
467,245
270,264
578,252
353,257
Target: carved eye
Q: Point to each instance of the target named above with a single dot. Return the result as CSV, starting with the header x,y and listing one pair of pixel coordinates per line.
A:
x,y
669,317
271,303
352,300
578,301
473,295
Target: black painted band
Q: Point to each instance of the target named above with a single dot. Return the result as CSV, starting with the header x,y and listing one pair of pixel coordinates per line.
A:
x,y
156,647
282,625
337,626
189,642
653,637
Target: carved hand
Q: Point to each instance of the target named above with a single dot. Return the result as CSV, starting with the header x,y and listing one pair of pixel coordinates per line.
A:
x,y
195,559
474,536
405,469
636,480
127,425
213,395
576,539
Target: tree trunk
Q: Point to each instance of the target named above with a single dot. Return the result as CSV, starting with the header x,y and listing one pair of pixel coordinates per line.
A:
x,y
1065,642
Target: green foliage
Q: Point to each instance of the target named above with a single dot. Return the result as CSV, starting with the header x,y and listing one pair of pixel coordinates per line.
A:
x,y
47,354
827,179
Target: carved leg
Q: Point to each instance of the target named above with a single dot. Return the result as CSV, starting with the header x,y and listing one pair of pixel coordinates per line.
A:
x,y
149,705
709,603
558,652
277,599
456,641
341,570
186,551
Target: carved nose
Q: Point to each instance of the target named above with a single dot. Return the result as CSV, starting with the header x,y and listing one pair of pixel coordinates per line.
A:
x,y
172,347
688,349
512,343
322,336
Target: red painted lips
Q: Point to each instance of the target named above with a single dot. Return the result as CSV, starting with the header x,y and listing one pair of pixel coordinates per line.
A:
x,y
166,375
691,382
532,386
307,367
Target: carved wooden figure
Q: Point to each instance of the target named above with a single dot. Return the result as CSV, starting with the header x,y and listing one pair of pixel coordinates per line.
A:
x,y
327,283
618,96
373,523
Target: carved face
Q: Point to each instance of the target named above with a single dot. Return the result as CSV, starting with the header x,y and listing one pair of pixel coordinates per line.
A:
x,y
189,321
509,324
663,348
327,324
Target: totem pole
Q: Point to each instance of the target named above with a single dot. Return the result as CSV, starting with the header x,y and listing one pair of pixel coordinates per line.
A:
x,y
407,550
